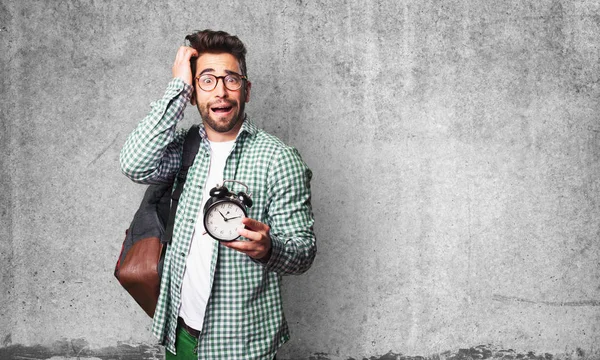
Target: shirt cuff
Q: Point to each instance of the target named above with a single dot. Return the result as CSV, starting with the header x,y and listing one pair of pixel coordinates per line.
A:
x,y
179,87
277,249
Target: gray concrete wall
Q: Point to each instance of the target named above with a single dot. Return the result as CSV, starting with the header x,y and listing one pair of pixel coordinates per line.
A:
x,y
455,147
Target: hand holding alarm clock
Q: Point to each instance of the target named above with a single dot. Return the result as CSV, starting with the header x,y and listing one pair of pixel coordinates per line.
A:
x,y
225,219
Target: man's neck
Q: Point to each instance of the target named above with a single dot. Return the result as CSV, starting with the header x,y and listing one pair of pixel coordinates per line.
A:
x,y
216,136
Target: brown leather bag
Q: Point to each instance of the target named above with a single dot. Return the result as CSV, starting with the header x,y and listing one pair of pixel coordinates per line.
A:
x,y
139,273
139,267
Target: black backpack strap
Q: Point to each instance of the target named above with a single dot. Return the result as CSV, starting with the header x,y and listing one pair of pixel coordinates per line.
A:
x,y
191,144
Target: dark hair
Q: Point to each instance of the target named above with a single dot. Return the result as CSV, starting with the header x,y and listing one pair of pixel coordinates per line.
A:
x,y
209,41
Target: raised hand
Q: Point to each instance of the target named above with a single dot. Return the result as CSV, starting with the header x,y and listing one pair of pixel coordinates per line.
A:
x,y
181,68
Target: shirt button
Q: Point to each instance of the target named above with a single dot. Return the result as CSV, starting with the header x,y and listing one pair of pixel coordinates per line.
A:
x,y
182,254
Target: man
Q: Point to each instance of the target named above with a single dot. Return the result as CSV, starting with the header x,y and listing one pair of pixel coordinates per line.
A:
x,y
221,300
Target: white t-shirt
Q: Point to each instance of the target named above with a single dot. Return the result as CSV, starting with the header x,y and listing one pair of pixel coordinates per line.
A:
x,y
195,289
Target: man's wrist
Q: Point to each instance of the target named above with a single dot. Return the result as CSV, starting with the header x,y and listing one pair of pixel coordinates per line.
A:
x,y
184,88
265,259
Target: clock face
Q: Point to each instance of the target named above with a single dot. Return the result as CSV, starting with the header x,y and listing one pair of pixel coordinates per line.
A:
x,y
222,220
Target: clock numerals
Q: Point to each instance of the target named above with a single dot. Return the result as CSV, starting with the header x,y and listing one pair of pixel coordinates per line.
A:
x,y
223,220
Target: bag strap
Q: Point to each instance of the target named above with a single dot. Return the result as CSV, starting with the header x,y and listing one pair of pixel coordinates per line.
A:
x,y
191,144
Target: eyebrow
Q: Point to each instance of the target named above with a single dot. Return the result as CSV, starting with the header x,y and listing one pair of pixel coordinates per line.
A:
x,y
229,72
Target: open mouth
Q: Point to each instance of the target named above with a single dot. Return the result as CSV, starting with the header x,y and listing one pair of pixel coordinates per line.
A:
x,y
221,109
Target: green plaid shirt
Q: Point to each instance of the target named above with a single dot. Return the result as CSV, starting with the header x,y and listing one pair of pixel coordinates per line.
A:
x,y
244,317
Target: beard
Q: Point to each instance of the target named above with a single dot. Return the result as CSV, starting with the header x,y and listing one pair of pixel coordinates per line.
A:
x,y
225,123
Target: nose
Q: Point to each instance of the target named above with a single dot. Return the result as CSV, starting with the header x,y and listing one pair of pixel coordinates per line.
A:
x,y
220,90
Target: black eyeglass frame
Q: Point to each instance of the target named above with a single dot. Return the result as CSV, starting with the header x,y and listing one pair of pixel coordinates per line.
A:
x,y
222,78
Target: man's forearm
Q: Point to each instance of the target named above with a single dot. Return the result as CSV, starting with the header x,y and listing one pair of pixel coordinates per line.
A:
x,y
293,243
152,151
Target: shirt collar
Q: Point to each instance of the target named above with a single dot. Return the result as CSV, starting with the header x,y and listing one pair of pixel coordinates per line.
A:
x,y
248,126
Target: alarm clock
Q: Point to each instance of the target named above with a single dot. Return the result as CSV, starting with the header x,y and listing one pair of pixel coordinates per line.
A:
x,y
224,211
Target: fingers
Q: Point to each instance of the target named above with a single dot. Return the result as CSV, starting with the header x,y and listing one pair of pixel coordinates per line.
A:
x,y
181,67
243,246
260,242
251,235
255,225
256,250
255,230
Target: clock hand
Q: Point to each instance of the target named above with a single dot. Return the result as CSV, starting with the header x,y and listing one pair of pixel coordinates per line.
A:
x,y
235,217
224,218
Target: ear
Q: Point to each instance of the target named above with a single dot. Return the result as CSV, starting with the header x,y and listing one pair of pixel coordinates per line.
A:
x,y
248,87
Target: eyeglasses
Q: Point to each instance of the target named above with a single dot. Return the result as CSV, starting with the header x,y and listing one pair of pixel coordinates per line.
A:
x,y
208,82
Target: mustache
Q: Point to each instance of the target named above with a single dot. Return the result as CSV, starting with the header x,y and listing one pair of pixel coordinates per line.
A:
x,y
221,103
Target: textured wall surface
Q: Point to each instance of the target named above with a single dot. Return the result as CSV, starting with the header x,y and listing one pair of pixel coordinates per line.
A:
x,y
456,155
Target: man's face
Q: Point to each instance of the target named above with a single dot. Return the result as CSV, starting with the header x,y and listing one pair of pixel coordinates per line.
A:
x,y
221,109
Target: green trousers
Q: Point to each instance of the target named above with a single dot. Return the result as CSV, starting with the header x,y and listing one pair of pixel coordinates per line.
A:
x,y
185,345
